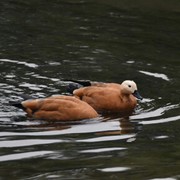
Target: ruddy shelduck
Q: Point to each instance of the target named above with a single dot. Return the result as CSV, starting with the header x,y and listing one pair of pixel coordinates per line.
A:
x,y
57,108
109,97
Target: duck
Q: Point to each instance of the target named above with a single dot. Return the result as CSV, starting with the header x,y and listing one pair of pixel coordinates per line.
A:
x,y
76,84
108,97
56,108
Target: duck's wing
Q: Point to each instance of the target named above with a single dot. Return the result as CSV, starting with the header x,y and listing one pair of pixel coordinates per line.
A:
x,y
61,108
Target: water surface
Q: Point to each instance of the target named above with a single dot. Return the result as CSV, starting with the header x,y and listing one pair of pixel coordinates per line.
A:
x,y
43,43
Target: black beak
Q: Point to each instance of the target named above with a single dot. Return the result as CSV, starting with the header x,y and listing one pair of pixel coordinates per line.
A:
x,y
137,95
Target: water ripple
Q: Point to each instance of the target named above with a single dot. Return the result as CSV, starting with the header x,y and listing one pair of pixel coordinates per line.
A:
x,y
19,156
34,87
155,113
68,129
32,65
107,138
100,150
115,169
157,75
28,142
163,120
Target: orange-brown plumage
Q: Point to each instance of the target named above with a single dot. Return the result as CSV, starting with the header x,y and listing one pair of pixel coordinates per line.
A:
x,y
110,97
57,108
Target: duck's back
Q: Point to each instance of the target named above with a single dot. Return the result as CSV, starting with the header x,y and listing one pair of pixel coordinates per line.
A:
x,y
106,98
59,108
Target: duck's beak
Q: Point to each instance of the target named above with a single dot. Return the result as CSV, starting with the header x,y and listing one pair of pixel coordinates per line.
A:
x,y
137,95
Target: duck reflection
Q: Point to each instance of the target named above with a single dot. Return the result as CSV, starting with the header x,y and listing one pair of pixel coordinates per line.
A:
x,y
99,126
126,126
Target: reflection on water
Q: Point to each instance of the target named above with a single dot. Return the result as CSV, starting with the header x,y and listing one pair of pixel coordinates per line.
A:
x,y
43,43
19,156
32,65
163,76
115,169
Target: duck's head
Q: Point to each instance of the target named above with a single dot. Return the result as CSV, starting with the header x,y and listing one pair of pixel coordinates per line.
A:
x,y
130,87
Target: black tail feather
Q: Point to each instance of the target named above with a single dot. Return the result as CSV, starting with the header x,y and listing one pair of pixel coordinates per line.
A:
x,y
72,86
17,104
76,84
80,82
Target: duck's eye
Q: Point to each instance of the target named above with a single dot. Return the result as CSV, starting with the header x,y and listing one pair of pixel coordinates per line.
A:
x,y
129,86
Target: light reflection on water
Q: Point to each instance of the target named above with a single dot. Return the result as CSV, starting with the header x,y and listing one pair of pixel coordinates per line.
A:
x,y
104,129
115,169
100,43
99,139
16,62
19,156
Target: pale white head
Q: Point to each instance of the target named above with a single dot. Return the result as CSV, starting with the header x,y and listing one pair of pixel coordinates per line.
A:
x,y
130,87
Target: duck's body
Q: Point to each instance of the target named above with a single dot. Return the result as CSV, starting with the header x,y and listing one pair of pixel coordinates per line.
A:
x,y
57,108
106,99
110,97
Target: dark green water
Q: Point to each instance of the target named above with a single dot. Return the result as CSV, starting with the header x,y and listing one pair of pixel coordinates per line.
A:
x,y
43,42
